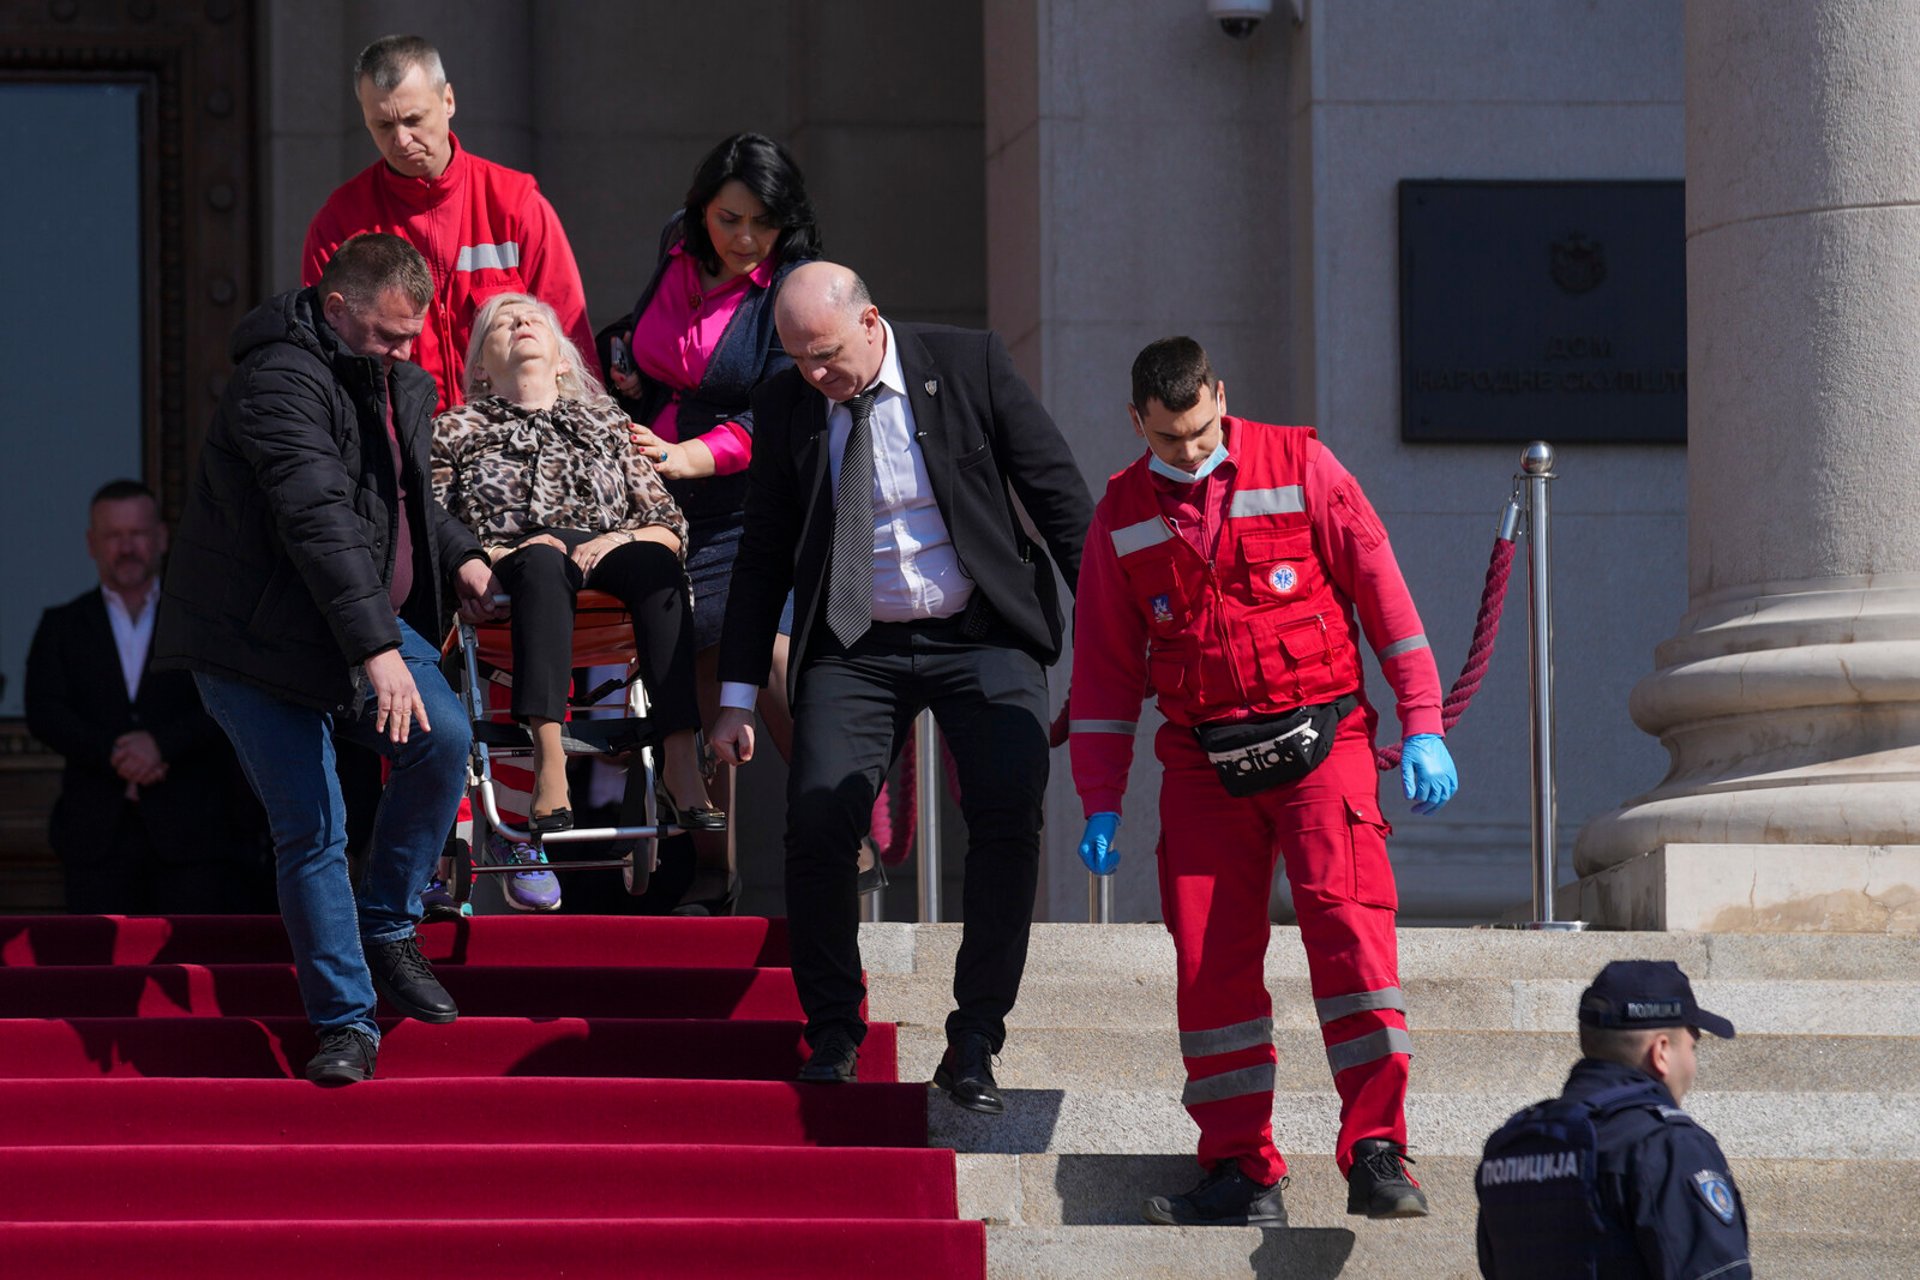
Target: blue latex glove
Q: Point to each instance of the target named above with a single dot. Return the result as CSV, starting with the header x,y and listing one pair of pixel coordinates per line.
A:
x,y
1427,772
1096,846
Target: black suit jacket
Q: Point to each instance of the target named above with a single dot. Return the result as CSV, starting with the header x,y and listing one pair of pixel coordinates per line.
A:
x,y
76,702
980,429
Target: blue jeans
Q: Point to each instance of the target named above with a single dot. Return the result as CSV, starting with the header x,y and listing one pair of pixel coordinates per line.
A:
x,y
287,753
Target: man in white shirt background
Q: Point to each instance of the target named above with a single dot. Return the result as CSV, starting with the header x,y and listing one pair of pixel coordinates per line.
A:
x,y
151,815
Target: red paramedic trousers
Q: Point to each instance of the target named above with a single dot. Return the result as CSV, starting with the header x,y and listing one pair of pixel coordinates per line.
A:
x,y
1216,859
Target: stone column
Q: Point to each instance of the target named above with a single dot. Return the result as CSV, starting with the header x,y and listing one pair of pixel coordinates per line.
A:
x,y
1789,699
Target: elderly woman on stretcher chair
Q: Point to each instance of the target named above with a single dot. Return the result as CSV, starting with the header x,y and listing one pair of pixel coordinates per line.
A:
x,y
539,465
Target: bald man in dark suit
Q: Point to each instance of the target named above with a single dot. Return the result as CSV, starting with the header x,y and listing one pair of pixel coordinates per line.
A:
x,y
881,492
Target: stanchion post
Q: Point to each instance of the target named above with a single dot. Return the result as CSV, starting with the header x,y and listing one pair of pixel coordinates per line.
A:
x,y
1536,465
932,779
1099,899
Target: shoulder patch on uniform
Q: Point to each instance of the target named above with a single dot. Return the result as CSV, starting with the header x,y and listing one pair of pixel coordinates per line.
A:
x,y
1717,1192
1674,1114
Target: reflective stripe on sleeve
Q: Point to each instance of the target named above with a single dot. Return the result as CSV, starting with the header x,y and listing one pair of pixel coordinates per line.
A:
x,y
1335,1007
1229,1084
1241,1035
1103,726
1286,500
1368,1048
1399,647
484,257
1138,537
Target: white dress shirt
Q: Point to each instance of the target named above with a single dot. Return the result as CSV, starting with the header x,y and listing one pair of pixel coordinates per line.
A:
x,y
132,633
916,572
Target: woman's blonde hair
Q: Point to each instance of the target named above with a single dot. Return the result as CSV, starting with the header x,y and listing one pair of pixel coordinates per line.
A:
x,y
578,383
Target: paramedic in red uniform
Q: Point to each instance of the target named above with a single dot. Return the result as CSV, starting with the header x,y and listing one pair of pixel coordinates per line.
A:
x,y
482,227
1224,570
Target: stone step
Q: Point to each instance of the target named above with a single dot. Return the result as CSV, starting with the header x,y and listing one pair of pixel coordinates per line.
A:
x,y
1367,1249
1082,997
1506,1062
1146,950
1783,1196
1774,1125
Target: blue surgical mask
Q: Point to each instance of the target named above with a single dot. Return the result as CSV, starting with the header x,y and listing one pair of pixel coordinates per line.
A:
x,y
1175,474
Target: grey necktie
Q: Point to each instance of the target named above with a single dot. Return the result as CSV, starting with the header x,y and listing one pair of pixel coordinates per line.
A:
x,y
850,581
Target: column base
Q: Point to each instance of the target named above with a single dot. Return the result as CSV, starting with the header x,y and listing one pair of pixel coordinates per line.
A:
x,y
1754,888
1791,714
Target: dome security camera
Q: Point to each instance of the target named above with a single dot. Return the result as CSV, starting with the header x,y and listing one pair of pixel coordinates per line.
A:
x,y
1238,18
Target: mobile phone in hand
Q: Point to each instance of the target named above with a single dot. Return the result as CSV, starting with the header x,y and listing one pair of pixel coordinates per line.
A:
x,y
622,358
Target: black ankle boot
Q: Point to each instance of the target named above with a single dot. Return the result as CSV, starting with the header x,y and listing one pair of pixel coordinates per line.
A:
x,y
347,1056
403,976
1378,1184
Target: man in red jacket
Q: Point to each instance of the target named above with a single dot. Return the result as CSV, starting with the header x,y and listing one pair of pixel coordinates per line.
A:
x,y
482,227
1224,570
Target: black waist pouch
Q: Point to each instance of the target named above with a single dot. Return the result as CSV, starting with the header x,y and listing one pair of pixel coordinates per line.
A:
x,y
1252,756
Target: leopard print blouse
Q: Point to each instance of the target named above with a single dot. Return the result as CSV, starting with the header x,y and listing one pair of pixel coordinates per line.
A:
x,y
506,471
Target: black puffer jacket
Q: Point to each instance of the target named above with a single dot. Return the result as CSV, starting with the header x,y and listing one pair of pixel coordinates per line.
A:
x,y
279,572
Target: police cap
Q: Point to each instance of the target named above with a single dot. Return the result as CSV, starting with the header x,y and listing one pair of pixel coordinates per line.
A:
x,y
1638,995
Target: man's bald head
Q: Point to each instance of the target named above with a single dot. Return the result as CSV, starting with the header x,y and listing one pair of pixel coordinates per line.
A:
x,y
816,288
831,328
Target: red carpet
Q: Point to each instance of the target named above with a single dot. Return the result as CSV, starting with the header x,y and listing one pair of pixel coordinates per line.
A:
x,y
616,1099
673,941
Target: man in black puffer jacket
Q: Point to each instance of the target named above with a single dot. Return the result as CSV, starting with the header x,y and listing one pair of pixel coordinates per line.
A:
x,y
303,592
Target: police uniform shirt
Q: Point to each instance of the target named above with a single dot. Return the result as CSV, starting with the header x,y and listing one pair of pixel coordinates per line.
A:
x,y
1664,1186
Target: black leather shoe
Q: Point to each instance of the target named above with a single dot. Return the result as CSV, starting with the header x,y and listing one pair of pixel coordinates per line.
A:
x,y
549,823
1226,1197
346,1057
403,976
834,1059
966,1075
1378,1185
699,817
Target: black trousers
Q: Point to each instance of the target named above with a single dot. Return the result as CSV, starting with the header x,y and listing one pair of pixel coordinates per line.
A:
x,y
645,577
852,711
126,877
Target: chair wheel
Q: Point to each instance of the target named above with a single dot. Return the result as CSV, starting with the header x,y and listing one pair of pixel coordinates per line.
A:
x,y
638,873
461,881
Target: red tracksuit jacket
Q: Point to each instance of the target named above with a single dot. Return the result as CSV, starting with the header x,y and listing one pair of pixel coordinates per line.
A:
x,y
483,229
1237,596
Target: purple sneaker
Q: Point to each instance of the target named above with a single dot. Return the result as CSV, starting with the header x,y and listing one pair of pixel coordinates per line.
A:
x,y
437,901
536,888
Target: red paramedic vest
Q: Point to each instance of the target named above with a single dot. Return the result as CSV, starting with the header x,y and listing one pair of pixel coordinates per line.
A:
x,y
1260,629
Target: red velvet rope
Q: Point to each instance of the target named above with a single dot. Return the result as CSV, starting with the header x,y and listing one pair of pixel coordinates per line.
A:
x,y
1480,653
892,842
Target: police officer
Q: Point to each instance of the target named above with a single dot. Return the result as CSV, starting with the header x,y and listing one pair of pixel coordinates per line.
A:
x,y
1234,568
1612,1179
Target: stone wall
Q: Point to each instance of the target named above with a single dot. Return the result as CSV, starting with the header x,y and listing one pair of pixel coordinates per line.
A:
x,y
1137,176
1383,91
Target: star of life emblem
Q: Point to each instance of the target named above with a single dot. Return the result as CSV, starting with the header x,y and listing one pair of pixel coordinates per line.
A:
x,y
1713,1188
1284,579
1162,608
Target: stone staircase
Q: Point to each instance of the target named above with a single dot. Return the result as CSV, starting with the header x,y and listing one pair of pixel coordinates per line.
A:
x,y
1817,1103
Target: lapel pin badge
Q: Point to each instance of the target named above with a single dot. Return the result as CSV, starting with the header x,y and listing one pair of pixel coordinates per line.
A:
x,y
933,386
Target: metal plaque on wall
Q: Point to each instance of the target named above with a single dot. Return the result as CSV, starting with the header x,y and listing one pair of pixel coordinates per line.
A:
x,y
1543,311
